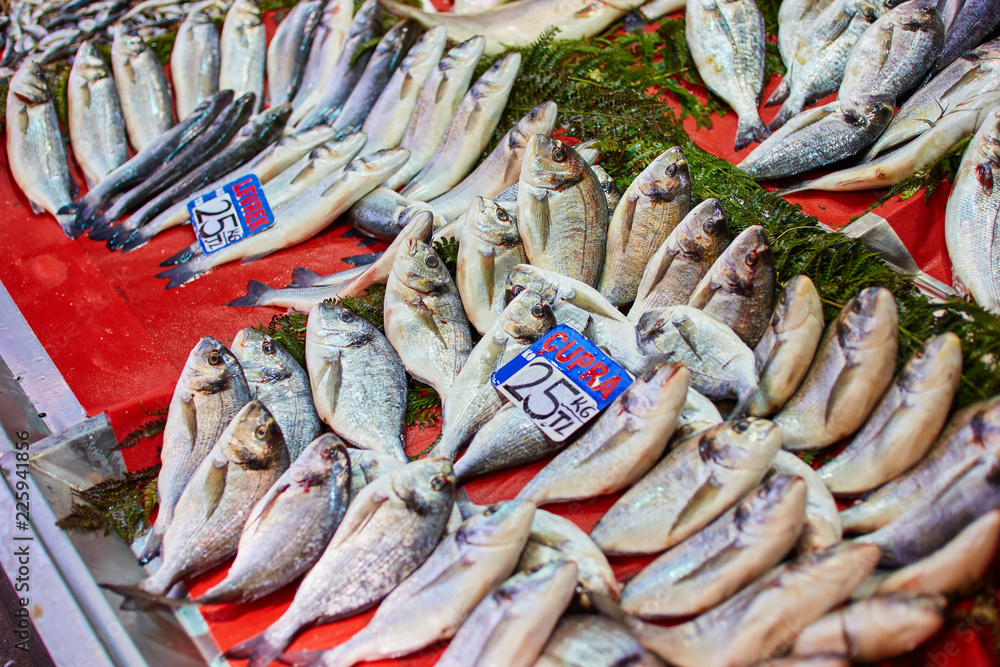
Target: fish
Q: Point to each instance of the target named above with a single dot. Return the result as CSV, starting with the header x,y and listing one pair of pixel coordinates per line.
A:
x,y
394,523
823,527
368,465
739,288
35,148
502,166
521,23
432,603
211,391
971,24
852,369
876,629
248,458
714,564
794,19
243,50
194,62
473,400
970,434
764,619
508,440
288,52
611,192
895,52
721,365
727,44
358,382
682,260
698,414
96,124
511,625
820,136
696,482
970,227
388,119
296,220
587,641
318,164
384,213
489,247
562,212
424,319
622,444
789,343
437,103
142,87
904,425
288,529
280,383
324,52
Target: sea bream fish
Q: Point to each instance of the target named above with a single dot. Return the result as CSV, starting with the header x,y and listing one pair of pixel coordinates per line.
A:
x,y
194,62
243,50
96,124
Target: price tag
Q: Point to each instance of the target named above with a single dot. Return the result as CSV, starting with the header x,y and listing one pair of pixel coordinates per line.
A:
x,y
562,381
230,213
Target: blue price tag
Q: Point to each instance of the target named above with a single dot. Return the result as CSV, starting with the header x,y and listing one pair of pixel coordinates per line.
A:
x,y
230,213
562,381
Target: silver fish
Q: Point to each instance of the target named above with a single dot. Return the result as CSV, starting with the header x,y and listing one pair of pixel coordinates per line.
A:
x,y
194,62
96,125
389,530
243,50
971,24
508,440
593,641
823,527
905,424
695,483
328,43
851,370
142,87
714,564
319,164
288,52
385,213
358,381
794,19
621,445
727,44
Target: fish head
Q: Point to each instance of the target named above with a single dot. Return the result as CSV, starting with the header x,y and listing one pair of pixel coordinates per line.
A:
x,y
611,192
798,302
395,43
499,525
379,165
299,140
263,360
498,79
417,220
428,47
937,364
464,55
869,113
89,63
126,40
703,234
666,178
492,223
551,164
211,367
418,266
920,15
656,387
271,122
28,84
539,120
325,458
256,441
330,324
554,575
367,13
425,485
868,319
777,507
747,259
246,13
527,317
526,277
745,444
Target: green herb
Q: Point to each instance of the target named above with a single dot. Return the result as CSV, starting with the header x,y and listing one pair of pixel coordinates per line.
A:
x,y
368,306
120,505
289,331
423,406
148,430
447,250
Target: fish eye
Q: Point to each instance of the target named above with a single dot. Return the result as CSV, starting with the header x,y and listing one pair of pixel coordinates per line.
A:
x,y
267,347
741,426
502,214
751,259
516,289
346,316
326,452
261,432
671,170
439,482
215,357
433,261
538,310
558,154
491,510
856,306
709,226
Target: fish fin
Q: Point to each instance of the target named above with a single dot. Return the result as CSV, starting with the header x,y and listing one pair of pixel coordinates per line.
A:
x,y
255,292
253,258
258,650
137,599
68,223
427,316
538,212
303,277
35,208
706,493
714,562
152,548
301,658
215,486
267,502
123,233
786,112
408,83
490,274
180,275
702,294
840,386
750,131
686,329
742,408
603,604
627,204
780,93
139,238
183,256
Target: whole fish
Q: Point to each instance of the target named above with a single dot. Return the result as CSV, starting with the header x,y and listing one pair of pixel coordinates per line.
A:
x,y
288,52
194,62
788,345
906,422
280,383
851,370
727,44
682,260
248,458
765,617
508,440
488,249
296,220
739,288
876,629
895,52
588,641
721,365
823,527
501,167
970,434
562,213
328,43
96,124
243,50
695,483
433,602
512,624
621,445
358,381
35,147
288,529
387,121
473,400
820,136
439,98
389,530
142,87
210,392
712,565
974,22
424,319
652,207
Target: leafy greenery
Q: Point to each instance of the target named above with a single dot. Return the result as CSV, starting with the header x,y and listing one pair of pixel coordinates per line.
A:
x,y
122,505
148,430
423,405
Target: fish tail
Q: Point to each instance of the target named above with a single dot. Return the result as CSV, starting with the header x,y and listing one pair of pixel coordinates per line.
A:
x,y
780,93
301,658
122,234
181,274
259,651
786,112
303,277
749,131
137,599
101,229
183,256
152,548
68,222
138,238
254,296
